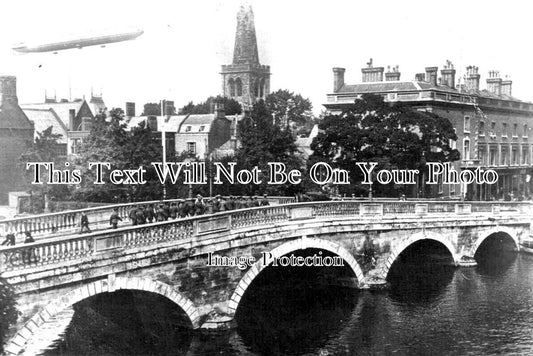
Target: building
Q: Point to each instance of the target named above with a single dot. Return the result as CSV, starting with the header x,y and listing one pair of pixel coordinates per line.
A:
x,y
245,80
16,134
198,135
493,127
73,119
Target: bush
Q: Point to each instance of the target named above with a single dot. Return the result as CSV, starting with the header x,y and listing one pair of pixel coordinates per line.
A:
x,y
8,311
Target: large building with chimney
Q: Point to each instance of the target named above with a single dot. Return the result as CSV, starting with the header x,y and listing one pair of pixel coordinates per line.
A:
x,y
493,127
246,80
16,133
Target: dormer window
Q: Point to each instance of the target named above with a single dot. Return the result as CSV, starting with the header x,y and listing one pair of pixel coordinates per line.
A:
x,y
188,128
202,128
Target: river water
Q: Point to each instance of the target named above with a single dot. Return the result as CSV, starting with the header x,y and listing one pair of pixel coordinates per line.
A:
x,y
429,310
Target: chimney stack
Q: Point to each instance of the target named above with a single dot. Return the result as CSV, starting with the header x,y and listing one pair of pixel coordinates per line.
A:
x,y
472,78
130,109
8,90
371,74
507,86
431,75
420,77
448,75
338,78
71,116
220,113
393,75
494,82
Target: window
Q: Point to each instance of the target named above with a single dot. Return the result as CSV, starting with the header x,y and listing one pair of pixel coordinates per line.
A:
x,y
467,124
493,129
481,128
514,156
481,155
466,149
188,129
505,156
231,84
515,130
202,128
525,131
191,147
238,86
262,88
525,155
493,156
504,129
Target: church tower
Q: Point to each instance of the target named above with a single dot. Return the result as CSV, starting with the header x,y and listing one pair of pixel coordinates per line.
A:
x,y
245,80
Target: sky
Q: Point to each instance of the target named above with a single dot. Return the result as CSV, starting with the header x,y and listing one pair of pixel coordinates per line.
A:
x,y
185,42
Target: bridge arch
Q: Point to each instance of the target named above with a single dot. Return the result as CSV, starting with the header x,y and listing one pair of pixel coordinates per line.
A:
x,y
499,229
286,248
17,343
397,250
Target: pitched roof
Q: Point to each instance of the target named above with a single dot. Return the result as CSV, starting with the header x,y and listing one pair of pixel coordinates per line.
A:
x,y
12,117
61,109
44,118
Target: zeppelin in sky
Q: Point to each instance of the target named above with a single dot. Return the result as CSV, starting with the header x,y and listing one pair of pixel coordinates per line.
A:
x,y
79,42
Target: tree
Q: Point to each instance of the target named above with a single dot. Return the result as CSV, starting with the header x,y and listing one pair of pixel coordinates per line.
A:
x,y
109,142
8,310
262,141
393,135
231,106
154,109
45,148
290,109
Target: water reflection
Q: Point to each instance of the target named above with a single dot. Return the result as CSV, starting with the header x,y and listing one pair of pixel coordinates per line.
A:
x,y
429,310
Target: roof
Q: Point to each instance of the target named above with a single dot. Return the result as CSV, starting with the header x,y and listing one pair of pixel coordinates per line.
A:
x,y
44,118
12,117
197,123
61,109
378,87
395,86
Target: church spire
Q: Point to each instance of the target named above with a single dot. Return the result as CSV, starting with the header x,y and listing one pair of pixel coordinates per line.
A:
x,y
245,51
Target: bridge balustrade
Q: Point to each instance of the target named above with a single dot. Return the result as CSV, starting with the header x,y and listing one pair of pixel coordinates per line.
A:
x,y
68,221
83,248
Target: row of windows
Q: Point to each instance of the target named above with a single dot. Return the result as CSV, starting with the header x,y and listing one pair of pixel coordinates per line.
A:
x,y
492,129
188,128
502,155
235,87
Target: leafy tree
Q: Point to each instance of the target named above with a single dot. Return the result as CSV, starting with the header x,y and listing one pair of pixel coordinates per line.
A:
x,y
8,310
45,148
231,106
109,142
393,135
289,109
154,109
263,141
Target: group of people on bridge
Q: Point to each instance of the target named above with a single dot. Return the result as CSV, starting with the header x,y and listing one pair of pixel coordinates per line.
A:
x,y
148,213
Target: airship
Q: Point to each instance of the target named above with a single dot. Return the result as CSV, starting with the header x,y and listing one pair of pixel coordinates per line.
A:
x,y
101,39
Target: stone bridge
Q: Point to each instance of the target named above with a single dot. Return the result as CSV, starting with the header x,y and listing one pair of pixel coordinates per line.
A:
x,y
171,258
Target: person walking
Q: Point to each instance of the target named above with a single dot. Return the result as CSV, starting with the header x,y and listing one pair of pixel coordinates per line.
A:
x,y
114,219
84,223
149,213
133,215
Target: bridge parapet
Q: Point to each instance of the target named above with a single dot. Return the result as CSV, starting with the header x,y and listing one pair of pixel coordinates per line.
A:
x,y
81,248
68,221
